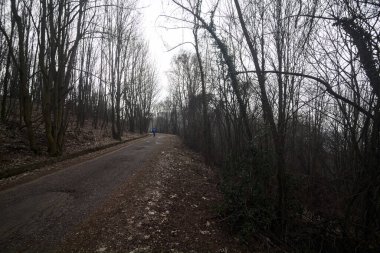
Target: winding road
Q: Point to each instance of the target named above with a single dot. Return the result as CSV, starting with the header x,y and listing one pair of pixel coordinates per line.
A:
x,y
35,216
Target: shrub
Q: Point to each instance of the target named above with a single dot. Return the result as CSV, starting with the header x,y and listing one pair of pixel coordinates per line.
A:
x,y
249,205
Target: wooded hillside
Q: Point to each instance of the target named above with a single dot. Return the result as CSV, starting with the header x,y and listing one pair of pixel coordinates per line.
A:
x,y
284,96
73,61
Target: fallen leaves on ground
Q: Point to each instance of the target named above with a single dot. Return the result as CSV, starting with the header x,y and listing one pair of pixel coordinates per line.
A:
x,y
167,206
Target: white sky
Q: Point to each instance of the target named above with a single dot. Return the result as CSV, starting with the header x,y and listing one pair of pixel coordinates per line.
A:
x,y
161,39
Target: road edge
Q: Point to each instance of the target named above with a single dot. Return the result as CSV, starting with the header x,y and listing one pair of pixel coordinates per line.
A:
x,y
28,168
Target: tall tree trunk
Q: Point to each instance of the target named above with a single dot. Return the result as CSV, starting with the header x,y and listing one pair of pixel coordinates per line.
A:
x,y
5,88
232,73
206,122
25,100
278,138
46,82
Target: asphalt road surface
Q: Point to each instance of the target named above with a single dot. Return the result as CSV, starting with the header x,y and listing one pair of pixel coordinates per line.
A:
x,y
34,217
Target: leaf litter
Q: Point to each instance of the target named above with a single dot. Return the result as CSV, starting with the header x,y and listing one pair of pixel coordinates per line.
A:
x,y
169,205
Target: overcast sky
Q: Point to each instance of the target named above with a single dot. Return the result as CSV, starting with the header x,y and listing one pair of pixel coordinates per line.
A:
x,y
161,39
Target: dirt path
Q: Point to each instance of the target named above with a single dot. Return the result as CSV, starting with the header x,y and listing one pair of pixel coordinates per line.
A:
x,y
151,196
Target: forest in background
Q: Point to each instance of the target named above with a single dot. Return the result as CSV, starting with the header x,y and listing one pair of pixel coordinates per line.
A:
x,y
66,63
284,97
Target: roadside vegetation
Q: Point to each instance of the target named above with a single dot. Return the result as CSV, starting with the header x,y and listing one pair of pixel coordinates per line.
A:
x,y
74,75
284,97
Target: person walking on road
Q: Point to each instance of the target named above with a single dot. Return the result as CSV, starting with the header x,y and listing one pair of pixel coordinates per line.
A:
x,y
154,130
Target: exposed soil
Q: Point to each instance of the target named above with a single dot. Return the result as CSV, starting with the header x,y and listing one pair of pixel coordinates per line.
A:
x,y
169,206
